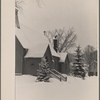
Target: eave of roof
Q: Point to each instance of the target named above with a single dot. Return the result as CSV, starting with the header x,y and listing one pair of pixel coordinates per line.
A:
x,y
37,51
63,57
53,52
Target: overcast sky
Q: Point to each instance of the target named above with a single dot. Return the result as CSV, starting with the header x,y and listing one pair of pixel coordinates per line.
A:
x,y
55,14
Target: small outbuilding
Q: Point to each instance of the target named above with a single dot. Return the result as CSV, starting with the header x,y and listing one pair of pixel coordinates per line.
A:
x,y
93,69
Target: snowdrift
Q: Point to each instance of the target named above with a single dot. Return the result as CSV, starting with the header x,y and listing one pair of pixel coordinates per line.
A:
x,y
74,89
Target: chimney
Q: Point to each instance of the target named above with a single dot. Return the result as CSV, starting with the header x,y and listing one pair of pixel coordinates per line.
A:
x,y
55,43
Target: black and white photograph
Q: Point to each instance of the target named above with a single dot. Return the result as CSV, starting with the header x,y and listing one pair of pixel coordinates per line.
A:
x,y
56,50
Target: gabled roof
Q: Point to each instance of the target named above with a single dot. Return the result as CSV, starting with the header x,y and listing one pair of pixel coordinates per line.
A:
x,y
22,39
53,52
37,50
28,36
63,57
31,40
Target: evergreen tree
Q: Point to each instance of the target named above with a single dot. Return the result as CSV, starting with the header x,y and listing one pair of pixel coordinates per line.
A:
x,y
43,72
79,71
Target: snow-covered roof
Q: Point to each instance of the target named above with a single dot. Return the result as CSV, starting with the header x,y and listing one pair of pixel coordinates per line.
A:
x,y
28,36
53,52
62,57
37,50
22,39
33,41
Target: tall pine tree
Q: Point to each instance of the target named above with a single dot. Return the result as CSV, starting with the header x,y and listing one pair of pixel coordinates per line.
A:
x,y
79,71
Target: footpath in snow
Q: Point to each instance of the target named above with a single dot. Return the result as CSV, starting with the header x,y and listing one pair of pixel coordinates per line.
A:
x,y
74,89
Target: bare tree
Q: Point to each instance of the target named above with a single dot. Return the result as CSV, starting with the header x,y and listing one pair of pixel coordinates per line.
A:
x,y
88,54
18,7
65,40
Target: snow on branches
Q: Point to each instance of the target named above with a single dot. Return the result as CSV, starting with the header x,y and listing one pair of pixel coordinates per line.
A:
x,y
43,72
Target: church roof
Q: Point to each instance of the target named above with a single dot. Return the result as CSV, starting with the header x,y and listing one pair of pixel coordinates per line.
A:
x,y
37,50
28,36
63,56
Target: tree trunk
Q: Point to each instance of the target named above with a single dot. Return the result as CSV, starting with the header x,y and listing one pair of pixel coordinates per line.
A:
x,y
16,19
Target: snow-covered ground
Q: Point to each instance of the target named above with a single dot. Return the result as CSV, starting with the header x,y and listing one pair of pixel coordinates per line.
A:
x,y
74,89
